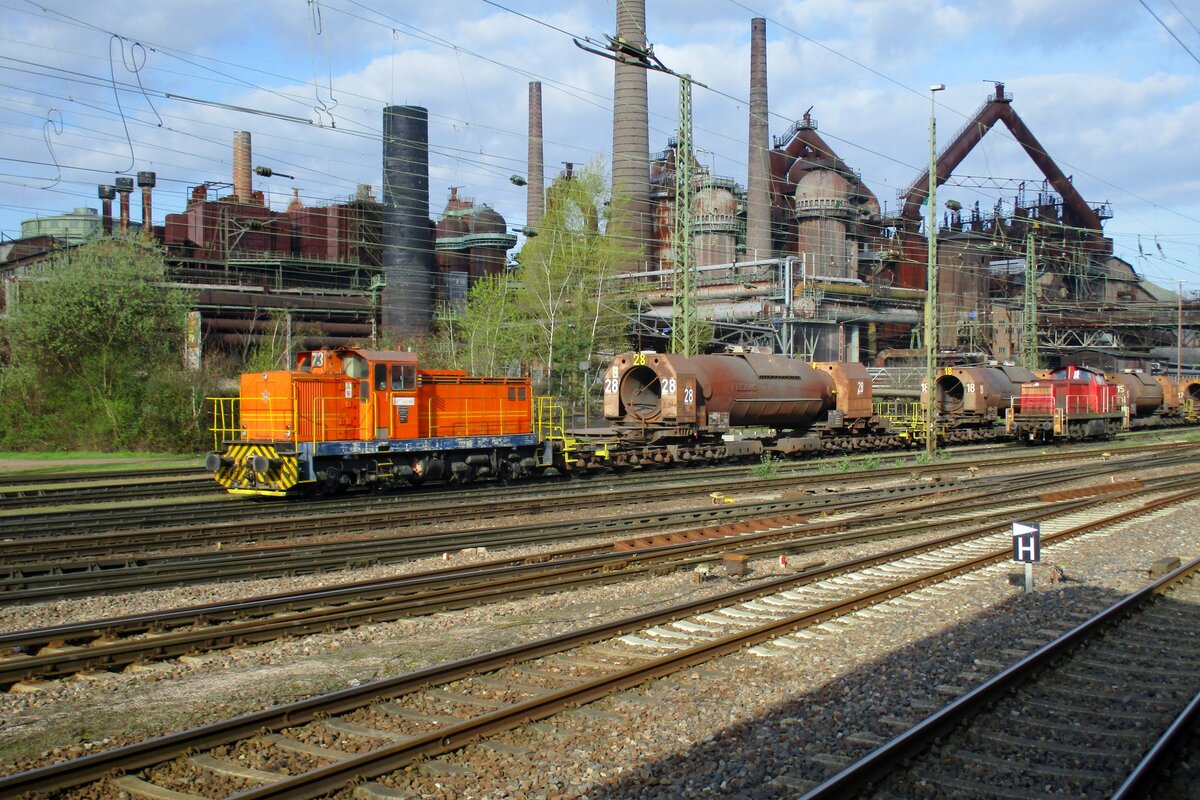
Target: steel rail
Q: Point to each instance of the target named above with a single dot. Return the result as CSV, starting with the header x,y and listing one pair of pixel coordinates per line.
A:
x,y
90,577
89,645
372,521
64,775
17,525
378,762
883,760
440,591
107,544
140,489
10,481
1141,780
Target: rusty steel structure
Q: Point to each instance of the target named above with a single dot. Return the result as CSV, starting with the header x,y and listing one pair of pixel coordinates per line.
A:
x,y
470,242
832,275
998,108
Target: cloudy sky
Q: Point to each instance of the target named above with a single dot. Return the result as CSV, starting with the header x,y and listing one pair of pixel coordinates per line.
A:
x,y
92,90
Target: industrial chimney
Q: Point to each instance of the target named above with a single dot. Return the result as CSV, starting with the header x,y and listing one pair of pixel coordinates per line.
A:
x,y
146,182
241,166
124,188
106,195
758,200
408,259
535,192
631,135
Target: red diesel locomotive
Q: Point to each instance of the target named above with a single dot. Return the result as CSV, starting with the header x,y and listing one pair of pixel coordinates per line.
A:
x,y
1073,403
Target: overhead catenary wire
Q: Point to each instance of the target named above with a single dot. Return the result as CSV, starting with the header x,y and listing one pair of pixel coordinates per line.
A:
x,y
497,174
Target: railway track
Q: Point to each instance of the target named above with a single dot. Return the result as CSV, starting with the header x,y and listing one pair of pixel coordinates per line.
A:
x,y
214,508
40,540
107,644
31,581
1095,713
107,490
360,733
15,481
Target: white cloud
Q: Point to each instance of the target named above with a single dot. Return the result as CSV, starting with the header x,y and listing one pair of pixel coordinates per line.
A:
x,y
1099,83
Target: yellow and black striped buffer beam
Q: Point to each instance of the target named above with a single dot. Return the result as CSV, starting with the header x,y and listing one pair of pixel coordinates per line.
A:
x,y
275,473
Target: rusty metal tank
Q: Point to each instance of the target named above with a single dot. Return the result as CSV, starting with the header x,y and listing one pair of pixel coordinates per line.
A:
x,y
1189,393
714,221
977,391
450,243
716,391
1143,394
852,391
823,208
1171,395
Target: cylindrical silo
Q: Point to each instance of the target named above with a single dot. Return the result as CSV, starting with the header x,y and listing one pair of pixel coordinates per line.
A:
x,y
714,221
408,260
822,210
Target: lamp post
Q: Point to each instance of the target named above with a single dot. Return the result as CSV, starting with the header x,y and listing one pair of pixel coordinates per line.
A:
x,y
931,283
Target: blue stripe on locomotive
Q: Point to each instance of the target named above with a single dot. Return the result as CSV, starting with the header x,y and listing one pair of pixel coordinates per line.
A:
x,y
305,450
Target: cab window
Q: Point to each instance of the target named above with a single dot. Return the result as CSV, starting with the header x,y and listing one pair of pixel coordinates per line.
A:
x,y
381,377
404,377
352,366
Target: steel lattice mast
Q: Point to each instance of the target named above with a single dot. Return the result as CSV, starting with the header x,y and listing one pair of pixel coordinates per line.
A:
x,y
683,302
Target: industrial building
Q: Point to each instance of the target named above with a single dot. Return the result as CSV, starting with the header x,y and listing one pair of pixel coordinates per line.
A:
x,y
800,257
804,261
353,271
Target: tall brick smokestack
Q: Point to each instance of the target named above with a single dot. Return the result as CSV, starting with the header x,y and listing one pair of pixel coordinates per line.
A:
x,y
631,136
758,198
106,195
536,202
146,181
124,189
241,166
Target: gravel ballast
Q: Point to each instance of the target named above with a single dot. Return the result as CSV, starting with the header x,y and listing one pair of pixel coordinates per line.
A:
x,y
743,726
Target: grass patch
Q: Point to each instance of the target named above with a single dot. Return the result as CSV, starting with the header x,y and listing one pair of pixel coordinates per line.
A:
x,y
59,463
767,466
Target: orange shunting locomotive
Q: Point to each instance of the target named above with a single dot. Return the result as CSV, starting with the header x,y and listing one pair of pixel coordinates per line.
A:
x,y
351,416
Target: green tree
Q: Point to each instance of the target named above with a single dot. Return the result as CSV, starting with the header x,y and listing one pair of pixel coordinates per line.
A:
x,y
568,294
485,336
560,307
94,355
